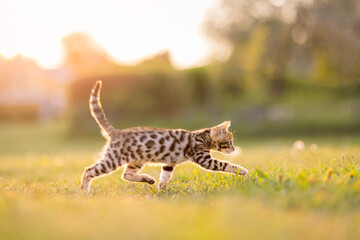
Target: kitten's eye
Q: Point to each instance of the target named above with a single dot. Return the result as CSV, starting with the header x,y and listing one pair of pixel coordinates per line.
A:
x,y
225,144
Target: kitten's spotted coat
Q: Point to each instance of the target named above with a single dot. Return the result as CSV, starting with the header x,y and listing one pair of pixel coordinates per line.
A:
x,y
134,147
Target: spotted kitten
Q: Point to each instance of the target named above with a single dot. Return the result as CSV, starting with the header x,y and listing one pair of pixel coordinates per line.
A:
x,y
134,147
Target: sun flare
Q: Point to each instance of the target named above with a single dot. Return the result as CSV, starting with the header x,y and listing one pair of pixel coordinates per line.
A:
x,y
128,30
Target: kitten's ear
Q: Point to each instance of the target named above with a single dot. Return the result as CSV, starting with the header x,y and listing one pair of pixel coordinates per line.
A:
x,y
220,129
225,126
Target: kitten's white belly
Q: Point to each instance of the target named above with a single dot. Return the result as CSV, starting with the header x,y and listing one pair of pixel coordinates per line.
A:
x,y
171,160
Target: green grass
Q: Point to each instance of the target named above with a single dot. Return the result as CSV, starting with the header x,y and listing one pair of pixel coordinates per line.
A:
x,y
308,195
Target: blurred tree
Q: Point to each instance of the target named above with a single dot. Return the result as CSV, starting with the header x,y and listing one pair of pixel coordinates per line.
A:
x,y
272,39
161,62
85,57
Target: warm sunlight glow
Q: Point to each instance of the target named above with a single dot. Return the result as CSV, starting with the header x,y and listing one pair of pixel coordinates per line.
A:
x,y
128,30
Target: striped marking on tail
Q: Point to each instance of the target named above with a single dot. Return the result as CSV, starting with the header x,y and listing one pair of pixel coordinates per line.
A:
x,y
98,112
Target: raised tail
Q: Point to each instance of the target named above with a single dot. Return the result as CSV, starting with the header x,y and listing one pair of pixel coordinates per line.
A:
x,y
98,112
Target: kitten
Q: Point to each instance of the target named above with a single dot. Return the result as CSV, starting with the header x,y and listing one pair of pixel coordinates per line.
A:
x,y
134,147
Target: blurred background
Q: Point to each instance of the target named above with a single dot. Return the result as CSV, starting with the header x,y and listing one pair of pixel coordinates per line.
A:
x,y
273,67
285,72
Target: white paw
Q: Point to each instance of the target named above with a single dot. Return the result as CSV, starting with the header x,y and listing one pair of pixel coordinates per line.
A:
x,y
243,171
161,186
150,181
238,170
85,189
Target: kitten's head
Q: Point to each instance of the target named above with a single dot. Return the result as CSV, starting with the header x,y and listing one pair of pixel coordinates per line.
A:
x,y
221,138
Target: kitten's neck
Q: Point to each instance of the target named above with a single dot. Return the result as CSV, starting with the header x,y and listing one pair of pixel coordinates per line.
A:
x,y
202,136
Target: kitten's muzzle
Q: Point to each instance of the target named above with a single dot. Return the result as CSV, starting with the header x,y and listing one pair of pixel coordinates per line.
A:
x,y
227,150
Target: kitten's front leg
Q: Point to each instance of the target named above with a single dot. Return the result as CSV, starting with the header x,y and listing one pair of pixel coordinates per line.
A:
x,y
233,168
206,161
165,176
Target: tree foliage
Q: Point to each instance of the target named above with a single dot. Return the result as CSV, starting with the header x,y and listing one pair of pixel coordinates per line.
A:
x,y
317,41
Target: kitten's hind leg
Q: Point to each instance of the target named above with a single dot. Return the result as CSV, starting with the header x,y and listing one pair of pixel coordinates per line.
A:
x,y
131,174
165,176
106,165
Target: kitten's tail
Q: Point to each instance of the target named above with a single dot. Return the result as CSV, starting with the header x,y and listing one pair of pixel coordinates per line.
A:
x,y
98,112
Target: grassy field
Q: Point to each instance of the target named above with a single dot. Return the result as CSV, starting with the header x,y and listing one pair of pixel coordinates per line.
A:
x,y
309,194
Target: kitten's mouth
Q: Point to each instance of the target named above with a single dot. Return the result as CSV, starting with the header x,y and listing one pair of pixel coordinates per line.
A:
x,y
228,151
